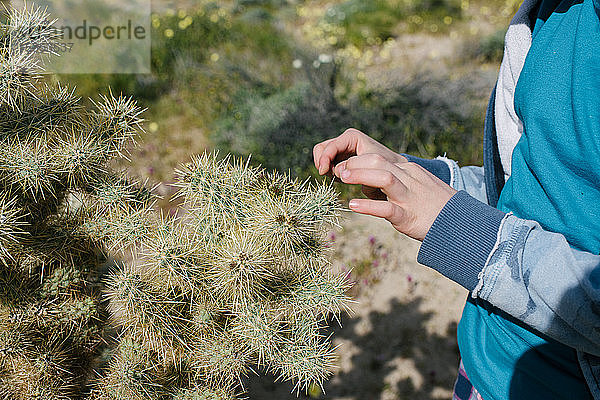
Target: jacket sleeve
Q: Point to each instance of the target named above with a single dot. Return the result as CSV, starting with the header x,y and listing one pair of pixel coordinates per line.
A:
x,y
537,277
520,268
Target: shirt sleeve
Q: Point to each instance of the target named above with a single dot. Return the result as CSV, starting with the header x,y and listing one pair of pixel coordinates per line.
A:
x,y
517,266
538,278
461,238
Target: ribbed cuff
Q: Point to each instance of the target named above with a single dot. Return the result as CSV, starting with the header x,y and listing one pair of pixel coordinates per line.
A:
x,y
437,167
461,238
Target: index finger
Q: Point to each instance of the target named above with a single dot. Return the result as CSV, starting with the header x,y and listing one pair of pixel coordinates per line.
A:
x,y
327,151
318,150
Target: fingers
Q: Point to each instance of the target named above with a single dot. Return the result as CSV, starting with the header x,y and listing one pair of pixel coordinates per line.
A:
x,y
377,208
413,196
350,143
370,161
326,152
376,178
343,144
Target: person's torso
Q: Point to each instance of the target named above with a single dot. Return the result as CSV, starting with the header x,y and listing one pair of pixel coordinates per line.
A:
x,y
554,180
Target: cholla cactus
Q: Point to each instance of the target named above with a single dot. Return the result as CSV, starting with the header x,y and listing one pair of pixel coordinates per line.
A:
x,y
241,279
54,178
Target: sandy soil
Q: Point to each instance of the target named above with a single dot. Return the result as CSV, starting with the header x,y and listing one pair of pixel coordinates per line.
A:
x,y
400,342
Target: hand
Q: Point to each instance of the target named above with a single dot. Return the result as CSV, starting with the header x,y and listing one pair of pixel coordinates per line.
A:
x,y
414,196
352,143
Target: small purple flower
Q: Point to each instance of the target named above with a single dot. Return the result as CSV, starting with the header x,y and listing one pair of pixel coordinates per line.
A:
x,y
365,281
332,236
371,239
375,263
150,170
409,278
384,255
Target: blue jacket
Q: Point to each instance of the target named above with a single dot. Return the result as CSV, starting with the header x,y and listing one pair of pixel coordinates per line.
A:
x,y
509,261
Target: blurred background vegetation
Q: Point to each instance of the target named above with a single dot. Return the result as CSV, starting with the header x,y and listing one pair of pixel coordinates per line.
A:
x,y
274,77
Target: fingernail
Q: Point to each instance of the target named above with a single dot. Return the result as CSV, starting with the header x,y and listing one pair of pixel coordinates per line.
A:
x,y
344,174
353,204
336,171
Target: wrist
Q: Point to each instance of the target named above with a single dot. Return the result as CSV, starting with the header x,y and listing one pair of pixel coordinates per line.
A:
x,y
461,238
437,167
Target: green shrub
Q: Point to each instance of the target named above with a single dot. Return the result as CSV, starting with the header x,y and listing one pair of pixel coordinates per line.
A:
x,y
173,36
368,22
364,19
280,130
260,3
425,117
489,48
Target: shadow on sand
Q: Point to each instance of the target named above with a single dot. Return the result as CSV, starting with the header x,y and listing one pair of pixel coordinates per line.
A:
x,y
397,355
